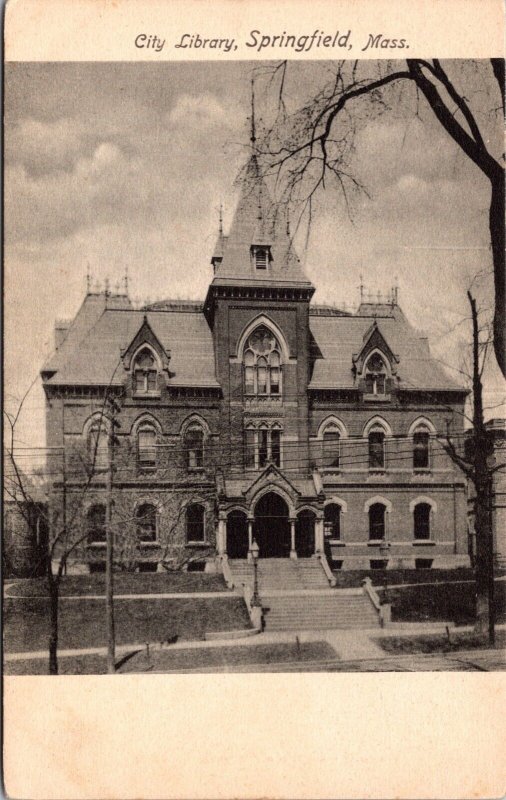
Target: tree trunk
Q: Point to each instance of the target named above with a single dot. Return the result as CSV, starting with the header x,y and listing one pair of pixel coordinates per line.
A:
x,y
496,224
481,625
54,591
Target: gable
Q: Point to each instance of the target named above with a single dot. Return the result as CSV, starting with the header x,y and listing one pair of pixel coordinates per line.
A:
x,y
374,340
145,336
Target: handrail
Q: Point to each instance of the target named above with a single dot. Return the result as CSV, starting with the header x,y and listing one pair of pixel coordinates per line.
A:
x,y
227,573
328,572
373,595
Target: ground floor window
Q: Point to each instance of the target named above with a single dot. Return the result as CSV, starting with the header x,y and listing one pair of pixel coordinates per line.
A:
x,y
421,521
195,523
379,563
377,521
96,524
145,518
332,521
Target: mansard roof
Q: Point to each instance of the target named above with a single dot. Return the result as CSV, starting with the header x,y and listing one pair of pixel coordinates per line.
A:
x,y
91,353
258,220
340,338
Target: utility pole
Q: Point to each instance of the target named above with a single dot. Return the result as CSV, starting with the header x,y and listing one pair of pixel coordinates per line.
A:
x,y
114,410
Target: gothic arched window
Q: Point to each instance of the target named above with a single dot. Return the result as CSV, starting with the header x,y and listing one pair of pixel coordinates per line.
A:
x,y
377,448
421,446
375,375
421,520
98,447
377,521
145,519
194,447
95,524
145,373
262,363
331,446
146,447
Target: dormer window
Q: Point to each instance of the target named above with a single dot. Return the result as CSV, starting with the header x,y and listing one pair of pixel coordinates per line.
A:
x,y
145,373
261,256
375,375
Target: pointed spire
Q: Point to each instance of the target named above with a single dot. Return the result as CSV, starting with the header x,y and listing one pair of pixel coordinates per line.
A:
x,y
221,220
125,280
253,137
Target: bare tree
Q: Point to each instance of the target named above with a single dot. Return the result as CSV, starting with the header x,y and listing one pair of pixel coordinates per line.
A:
x,y
66,531
475,460
306,148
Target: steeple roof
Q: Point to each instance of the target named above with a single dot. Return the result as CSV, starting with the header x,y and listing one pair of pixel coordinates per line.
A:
x,y
258,221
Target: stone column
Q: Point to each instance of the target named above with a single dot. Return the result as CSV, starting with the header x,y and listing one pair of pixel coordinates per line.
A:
x,y
250,537
293,551
318,536
222,535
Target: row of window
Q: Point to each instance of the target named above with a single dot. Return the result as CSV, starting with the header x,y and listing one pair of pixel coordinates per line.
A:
x,y
331,456
377,521
146,519
146,523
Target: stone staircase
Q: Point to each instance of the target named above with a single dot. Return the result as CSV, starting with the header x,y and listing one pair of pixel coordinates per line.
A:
x,y
296,595
280,573
329,611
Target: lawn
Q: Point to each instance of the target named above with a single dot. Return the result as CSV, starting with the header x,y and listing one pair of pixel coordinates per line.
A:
x,y
124,583
82,624
440,643
348,578
166,659
442,602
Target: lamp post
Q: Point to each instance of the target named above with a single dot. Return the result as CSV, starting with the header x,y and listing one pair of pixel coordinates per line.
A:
x,y
255,600
384,548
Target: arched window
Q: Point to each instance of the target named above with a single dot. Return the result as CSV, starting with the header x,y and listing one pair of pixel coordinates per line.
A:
x,y
376,448
331,446
276,446
332,521
262,363
195,523
95,524
421,520
145,373
194,446
263,446
98,446
421,448
377,521
375,375
145,520
146,447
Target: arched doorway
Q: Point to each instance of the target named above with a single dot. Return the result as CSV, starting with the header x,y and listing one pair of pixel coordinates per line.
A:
x,y
237,535
272,527
304,534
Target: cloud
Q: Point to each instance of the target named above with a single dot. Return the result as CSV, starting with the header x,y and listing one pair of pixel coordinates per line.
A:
x,y
197,111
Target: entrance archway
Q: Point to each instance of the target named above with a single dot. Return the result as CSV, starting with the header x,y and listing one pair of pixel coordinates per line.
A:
x,y
272,527
305,534
237,535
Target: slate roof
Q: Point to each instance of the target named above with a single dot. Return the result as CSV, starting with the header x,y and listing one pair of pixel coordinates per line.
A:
x,y
91,353
340,338
258,220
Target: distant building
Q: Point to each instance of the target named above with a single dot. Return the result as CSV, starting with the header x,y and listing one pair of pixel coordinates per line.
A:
x,y
25,525
497,428
257,414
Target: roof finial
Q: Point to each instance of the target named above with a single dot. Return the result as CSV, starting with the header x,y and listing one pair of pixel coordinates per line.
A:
x,y
88,278
288,222
106,287
125,280
361,287
253,137
221,219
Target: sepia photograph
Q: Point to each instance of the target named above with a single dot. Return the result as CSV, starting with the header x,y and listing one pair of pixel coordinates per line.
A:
x,y
254,395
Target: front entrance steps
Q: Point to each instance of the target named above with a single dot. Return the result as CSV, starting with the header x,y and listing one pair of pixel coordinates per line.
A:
x,y
280,573
318,611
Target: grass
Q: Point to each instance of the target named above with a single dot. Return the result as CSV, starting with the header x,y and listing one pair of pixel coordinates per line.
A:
x,y
206,658
463,640
351,578
442,602
124,583
82,624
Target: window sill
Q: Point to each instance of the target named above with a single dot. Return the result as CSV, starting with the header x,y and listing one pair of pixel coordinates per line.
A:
x,y
148,544
422,471
424,542
196,469
144,395
198,544
336,543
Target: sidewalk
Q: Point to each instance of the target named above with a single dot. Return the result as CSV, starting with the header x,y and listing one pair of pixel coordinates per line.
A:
x,y
349,643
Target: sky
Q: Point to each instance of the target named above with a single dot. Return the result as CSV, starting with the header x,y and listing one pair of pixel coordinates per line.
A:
x,y
111,166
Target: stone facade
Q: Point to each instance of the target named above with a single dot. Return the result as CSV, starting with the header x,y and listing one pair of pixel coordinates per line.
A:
x,y
254,415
